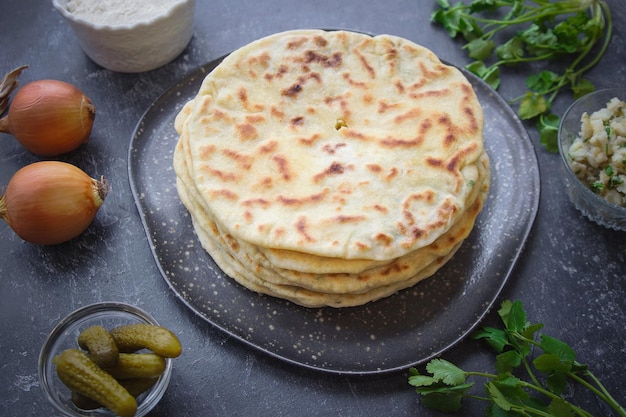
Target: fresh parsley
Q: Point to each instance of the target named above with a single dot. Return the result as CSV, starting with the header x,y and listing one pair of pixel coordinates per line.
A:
x,y
568,36
531,373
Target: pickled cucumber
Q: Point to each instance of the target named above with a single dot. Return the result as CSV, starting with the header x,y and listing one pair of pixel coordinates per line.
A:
x,y
135,387
137,365
101,347
80,374
158,339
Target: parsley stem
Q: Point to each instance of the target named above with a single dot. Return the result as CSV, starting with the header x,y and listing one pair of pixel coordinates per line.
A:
x,y
600,391
530,373
601,8
538,13
476,397
538,388
520,60
481,374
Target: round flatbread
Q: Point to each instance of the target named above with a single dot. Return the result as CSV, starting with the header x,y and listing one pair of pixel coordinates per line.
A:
x,y
335,143
332,168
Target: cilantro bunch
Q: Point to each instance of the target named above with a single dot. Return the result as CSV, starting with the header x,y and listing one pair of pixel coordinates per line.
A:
x,y
568,36
547,374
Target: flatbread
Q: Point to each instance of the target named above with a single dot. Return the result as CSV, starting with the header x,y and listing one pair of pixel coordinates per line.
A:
x,y
332,168
335,143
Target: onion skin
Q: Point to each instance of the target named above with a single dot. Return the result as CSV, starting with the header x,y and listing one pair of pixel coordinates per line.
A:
x,y
49,117
51,202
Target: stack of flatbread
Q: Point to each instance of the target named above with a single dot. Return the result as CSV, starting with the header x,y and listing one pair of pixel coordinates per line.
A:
x,y
332,168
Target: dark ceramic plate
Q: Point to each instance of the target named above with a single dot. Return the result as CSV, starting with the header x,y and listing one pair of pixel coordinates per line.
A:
x,y
406,329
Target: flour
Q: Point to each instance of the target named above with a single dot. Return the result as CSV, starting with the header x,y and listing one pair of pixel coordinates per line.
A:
x,y
118,12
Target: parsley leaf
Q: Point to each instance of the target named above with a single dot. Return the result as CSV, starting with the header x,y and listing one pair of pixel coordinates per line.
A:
x,y
548,126
446,372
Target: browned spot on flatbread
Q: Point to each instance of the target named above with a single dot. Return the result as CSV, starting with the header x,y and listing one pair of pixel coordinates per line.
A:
x,y
256,202
297,43
353,83
334,169
206,150
417,85
390,142
380,208
393,172
468,95
231,242
255,118
246,131
399,87
430,93
366,65
243,161
292,91
453,163
434,73
213,228
301,201
384,106
298,86
376,168
264,184
283,166
268,146
320,41
225,176
296,122
229,195
275,112
384,239
411,115
279,232
302,228
394,267
329,61
242,94
282,70
332,149
343,219
434,162
310,140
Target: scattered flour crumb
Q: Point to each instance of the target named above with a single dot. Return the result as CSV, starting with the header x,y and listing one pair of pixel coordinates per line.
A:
x,y
26,382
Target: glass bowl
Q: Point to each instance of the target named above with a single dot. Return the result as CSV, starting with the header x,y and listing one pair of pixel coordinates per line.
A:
x,y
592,205
64,336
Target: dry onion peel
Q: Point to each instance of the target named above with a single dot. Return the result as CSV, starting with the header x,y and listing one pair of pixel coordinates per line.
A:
x,y
51,202
7,85
49,117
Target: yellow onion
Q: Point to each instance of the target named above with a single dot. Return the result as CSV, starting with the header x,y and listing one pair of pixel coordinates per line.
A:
x,y
51,202
49,117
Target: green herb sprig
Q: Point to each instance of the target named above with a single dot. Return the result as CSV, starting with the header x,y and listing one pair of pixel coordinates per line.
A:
x,y
569,34
547,373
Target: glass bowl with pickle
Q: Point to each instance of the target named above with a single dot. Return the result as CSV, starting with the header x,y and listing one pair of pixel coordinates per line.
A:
x,y
592,144
107,359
